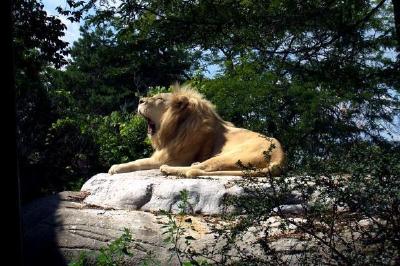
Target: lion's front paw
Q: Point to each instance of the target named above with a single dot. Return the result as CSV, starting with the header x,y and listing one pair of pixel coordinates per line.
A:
x,y
115,169
165,169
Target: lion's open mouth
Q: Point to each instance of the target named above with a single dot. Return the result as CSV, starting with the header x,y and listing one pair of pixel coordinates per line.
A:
x,y
151,127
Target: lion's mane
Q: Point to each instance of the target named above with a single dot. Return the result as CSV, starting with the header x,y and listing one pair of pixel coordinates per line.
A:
x,y
190,120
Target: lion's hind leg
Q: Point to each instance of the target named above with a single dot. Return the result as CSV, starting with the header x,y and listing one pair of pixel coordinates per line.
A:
x,y
191,172
212,166
182,171
174,170
227,165
222,165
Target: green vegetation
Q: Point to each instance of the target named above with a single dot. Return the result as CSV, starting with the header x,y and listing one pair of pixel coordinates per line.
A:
x,y
321,76
175,233
174,230
352,214
113,254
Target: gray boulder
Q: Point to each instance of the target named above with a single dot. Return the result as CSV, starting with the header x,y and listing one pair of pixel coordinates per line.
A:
x,y
151,191
57,229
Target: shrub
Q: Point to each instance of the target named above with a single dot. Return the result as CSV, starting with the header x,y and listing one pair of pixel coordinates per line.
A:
x,y
121,137
113,254
78,147
350,212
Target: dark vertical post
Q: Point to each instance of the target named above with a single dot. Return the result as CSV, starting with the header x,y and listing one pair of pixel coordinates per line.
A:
x,y
396,10
9,147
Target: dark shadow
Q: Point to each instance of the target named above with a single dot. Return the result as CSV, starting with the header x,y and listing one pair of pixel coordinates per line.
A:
x,y
39,225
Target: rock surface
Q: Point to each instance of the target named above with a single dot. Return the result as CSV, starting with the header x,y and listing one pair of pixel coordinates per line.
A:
x,y
151,191
58,228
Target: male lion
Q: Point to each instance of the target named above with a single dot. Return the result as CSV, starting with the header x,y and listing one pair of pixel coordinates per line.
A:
x,y
190,139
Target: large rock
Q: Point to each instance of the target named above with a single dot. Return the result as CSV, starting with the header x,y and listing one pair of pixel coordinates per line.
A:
x,y
58,228
151,191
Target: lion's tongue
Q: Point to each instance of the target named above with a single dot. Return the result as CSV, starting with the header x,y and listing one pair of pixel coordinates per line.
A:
x,y
151,127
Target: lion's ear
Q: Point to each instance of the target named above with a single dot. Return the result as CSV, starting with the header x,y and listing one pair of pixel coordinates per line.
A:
x,y
180,102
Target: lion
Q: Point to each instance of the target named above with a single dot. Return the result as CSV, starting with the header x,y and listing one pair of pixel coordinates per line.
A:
x,y
190,139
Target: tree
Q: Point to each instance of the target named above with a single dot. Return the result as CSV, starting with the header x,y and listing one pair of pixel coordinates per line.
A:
x,y
37,44
93,101
111,67
342,52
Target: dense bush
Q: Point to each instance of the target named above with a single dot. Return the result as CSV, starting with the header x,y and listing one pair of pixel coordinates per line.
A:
x,y
121,137
349,215
76,148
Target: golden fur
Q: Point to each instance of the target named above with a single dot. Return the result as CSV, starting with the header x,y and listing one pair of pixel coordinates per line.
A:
x,y
190,139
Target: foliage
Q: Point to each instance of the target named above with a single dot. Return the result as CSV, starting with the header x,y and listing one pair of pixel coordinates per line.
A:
x,y
81,261
174,229
111,68
36,42
175,232
120,137
326,61
113,254
89,144
158,89
76,121
75,145
36,38
312,74
78,152
349,215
